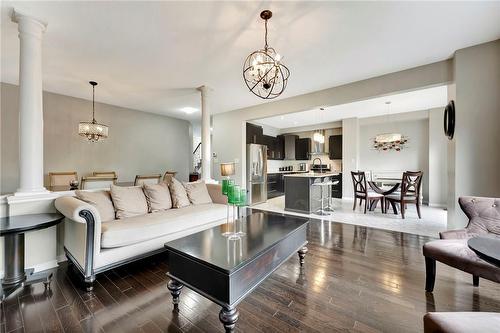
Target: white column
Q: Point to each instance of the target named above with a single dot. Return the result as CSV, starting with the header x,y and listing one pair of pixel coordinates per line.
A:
x,y
30,104
205,133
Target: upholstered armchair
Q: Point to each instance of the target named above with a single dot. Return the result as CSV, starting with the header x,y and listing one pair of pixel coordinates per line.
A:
x,y
452,248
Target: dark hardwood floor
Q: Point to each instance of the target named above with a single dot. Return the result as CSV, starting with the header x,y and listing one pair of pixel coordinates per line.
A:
x,y
355,279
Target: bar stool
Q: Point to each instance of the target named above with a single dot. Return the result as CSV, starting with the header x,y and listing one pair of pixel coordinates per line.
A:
x,y
330,184
322,210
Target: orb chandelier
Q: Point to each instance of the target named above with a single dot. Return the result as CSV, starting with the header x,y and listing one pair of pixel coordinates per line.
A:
x,y
389,141
263,72
92,130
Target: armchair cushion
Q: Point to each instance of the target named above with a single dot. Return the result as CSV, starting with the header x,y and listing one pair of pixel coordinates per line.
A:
x,y
454,234
101,200
456,253
483,214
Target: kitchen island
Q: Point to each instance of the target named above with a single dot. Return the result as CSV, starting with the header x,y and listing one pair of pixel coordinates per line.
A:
x,y
301,196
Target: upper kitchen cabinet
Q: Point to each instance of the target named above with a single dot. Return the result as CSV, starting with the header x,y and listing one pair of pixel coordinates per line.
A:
x,y
255,134
302,149
335,147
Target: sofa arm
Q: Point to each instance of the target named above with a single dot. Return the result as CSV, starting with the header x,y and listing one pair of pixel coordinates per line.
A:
x,y
454,234
215,191
82,233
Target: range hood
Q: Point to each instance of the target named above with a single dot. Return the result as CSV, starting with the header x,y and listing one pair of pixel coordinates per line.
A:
x,y
318,143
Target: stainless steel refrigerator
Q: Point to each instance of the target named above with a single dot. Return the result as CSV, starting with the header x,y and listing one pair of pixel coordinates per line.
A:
x,y
256,173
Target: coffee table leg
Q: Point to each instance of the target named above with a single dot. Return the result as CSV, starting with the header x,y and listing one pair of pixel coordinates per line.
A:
x,y
175,288
302,254
228,318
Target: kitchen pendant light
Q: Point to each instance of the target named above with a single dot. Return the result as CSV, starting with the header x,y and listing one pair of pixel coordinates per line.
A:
x,y
93,131
264,73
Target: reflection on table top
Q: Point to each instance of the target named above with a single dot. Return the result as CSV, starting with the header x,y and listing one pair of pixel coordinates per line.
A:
x,y
64,188
263,229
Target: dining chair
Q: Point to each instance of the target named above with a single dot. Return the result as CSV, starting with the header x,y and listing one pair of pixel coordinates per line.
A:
x,y
362,192
167,177
62,178
97,182
147,179
104,174
411,185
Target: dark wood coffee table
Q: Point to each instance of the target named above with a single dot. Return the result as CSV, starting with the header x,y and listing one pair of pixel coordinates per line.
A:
x,y
224,270
486,247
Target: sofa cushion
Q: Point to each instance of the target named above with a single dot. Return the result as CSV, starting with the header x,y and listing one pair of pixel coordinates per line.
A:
x,y
141,228
456,253
178,193
128,201
101,200
158,196
198,193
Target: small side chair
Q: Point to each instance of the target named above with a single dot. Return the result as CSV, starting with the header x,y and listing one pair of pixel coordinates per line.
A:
x,y
452,248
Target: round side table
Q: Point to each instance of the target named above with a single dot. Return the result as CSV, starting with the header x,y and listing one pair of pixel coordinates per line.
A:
x,y
12,228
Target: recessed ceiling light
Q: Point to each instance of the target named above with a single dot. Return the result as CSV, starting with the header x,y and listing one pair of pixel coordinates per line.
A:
x,y
189,109
282,117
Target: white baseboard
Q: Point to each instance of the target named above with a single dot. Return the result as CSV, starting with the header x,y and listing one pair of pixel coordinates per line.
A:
x,y
39,267
437,205
61,258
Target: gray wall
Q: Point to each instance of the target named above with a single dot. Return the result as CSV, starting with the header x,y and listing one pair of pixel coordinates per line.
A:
x,y
415,157
138,143
476,157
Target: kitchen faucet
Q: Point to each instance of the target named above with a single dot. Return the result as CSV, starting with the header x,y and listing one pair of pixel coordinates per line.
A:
x,y
320,164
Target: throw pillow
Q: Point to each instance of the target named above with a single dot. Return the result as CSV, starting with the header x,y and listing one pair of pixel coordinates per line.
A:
x,y
158,196
129,201
198,193
101,200
179,194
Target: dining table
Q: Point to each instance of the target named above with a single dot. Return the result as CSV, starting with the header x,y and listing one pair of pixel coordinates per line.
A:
x,y
391,185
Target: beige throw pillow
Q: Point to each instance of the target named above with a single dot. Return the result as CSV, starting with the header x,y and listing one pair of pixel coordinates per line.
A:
x,y
178,193
158,196
101,201
129,201
198,193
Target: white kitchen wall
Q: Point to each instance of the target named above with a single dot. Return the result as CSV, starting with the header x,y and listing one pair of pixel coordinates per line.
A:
x,y
415,157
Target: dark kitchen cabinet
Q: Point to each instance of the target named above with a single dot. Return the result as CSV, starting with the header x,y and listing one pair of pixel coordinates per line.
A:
x,y
275,147
335,147
255,134
302,148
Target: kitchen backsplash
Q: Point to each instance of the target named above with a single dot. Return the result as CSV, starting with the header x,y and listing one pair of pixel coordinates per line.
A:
x,y
274,165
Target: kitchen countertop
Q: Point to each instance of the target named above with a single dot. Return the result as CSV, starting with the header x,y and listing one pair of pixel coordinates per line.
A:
x,y
314,174
280,172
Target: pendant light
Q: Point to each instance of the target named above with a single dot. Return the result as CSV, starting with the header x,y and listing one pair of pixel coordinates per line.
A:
x,y
263,72
93,131
389,141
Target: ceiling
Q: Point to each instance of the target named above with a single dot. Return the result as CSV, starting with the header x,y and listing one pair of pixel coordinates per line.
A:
x,y
151,56
418,100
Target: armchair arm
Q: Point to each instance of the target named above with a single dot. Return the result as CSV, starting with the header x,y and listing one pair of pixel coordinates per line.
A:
x,y
82,233
454,234
215,191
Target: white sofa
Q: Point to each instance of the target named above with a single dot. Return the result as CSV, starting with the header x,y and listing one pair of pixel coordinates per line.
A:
x,y
94,246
